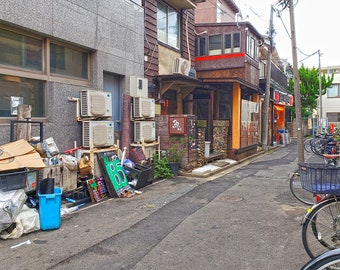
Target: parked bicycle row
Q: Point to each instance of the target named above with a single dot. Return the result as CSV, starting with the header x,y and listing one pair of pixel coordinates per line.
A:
x,y
322,144
318,186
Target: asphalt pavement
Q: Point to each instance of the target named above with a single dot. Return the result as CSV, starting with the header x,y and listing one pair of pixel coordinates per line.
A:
x,y
243,217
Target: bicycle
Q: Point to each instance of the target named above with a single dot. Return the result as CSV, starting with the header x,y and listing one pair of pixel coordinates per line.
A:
x,y
321,144
321,224
303,195
328,260
298,191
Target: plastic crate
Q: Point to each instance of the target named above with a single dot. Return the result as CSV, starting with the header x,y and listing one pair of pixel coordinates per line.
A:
x,y
143,175
49,209
320,178
12,180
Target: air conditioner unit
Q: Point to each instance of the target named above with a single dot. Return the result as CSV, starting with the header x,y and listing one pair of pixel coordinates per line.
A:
x,y
138,87
144,131
98,134
95,104
181,66
143,107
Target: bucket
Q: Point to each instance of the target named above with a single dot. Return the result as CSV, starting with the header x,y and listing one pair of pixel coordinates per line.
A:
x,y
206,149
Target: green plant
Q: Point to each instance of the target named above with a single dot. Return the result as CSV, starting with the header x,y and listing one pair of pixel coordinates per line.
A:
x,y
177,146
162,169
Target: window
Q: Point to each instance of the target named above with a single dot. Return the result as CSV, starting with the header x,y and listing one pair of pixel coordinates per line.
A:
x,y
200,46
232,43
263,69
236,42
69,62
251,47
30,91
20,51
168,25
219,11
333,117
333,91
24,58
215,45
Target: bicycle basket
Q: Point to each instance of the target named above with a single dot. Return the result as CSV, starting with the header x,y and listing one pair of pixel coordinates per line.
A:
x,y
320,178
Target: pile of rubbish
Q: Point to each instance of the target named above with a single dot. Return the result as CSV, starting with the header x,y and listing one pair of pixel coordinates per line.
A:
x,y
38,185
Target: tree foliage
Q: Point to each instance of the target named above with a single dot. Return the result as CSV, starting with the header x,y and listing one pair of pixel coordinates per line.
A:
x,y
309,88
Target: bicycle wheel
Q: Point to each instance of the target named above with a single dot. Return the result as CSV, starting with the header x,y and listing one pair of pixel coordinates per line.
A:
x,y
327,260
307,145
317,146
321,229
298,192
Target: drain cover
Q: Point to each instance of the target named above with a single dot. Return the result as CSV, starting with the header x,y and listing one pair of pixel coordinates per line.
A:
x,y
231,198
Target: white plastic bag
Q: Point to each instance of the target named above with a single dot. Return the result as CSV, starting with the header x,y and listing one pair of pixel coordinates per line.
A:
x,y
11,202
70,162
27,221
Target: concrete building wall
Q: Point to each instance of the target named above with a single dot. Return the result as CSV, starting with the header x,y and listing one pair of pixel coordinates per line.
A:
x,y
113,30
331,105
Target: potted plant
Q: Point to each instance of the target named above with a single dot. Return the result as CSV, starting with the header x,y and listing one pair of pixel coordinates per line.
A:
x,y
175,152
161,167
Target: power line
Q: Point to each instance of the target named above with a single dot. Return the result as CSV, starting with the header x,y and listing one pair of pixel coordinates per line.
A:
x,y
284,26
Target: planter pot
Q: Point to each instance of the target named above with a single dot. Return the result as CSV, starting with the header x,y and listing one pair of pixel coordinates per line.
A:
x,y
174,166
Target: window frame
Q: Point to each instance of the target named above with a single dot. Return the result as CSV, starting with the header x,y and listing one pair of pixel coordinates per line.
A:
x,y
214,51
206,44
166,40
331,88
44,74
251,48
22,69
74,48
333,115
232,48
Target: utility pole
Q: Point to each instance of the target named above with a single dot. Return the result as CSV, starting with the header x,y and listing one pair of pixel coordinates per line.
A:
x,y
268,79
320,95
296,86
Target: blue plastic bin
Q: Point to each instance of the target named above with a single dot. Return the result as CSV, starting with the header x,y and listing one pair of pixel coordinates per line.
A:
x,y
49,210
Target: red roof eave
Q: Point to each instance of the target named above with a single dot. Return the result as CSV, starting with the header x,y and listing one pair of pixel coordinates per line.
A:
x,y
220,56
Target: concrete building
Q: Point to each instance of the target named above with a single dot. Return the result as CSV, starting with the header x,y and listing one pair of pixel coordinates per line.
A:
x,y
51,50
331,100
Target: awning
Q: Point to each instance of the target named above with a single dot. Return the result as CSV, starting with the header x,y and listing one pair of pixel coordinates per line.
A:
x,y
184,4
180,83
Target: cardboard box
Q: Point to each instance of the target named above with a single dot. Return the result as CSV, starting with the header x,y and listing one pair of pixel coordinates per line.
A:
x,y
14,149
18,155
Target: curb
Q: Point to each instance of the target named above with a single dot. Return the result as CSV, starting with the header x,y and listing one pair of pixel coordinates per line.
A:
x,y
209,173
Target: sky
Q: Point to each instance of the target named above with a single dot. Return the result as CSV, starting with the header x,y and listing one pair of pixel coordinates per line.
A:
x,y
316,28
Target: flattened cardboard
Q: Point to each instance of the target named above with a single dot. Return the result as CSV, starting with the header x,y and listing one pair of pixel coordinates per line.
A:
x,y
30,161
13,149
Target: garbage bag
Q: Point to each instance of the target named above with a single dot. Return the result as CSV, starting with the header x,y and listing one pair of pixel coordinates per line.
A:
x,y
11,202
70,162
27,221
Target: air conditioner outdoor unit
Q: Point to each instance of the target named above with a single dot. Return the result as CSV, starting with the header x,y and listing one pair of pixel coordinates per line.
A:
x,y
95,104
143,107
144,131
181,66
138,87
98,134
